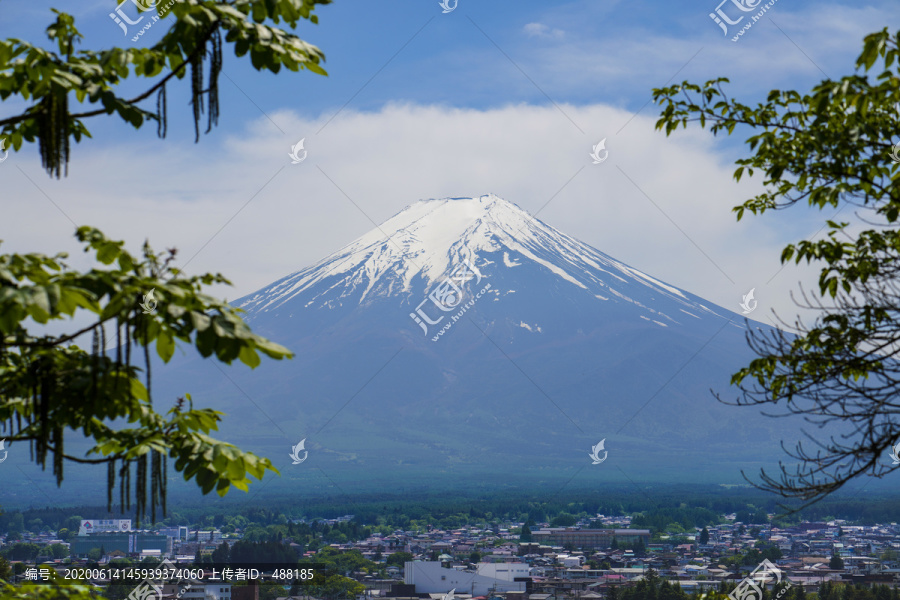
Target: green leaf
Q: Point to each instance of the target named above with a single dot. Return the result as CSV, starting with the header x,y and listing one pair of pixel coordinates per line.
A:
x,y
249,357
165,346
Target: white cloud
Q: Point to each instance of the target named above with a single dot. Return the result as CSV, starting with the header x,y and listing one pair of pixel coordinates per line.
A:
x,y
539,30
659,204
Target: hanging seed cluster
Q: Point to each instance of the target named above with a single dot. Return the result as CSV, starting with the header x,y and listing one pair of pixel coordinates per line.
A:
x,y
54,121
47,441
53,130
212,48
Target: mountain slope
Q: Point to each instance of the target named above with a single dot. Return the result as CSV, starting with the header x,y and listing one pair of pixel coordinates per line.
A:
x,y
536,348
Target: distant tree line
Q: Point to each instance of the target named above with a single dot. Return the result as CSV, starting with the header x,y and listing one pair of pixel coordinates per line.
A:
x,y
659,519
249,552
653,587
833,591
28,552
663,510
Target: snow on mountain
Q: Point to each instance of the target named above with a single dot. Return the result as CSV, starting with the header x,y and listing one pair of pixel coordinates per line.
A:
x,y
426,240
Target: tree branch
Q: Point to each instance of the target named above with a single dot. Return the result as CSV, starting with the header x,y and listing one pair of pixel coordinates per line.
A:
x,y
201,45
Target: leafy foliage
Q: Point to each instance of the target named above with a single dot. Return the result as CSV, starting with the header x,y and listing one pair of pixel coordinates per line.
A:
x,y
398,559
47,591
661,519
837,591
652,587
50,385
746,517
331,587
344,562
563,519
50,79
830,148
263,552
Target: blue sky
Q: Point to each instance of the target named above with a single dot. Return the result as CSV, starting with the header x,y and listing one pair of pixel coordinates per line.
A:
x,y
503,97
490,53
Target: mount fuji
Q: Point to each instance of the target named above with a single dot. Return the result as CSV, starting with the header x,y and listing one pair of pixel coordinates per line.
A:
x,y
465,340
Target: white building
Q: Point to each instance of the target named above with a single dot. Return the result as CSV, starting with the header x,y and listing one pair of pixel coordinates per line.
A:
x,y
89,526
178,533
208,590
570,561
430,577
207,536
504,571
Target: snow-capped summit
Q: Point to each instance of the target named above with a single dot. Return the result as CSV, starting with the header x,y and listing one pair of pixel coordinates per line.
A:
x,y
424,242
